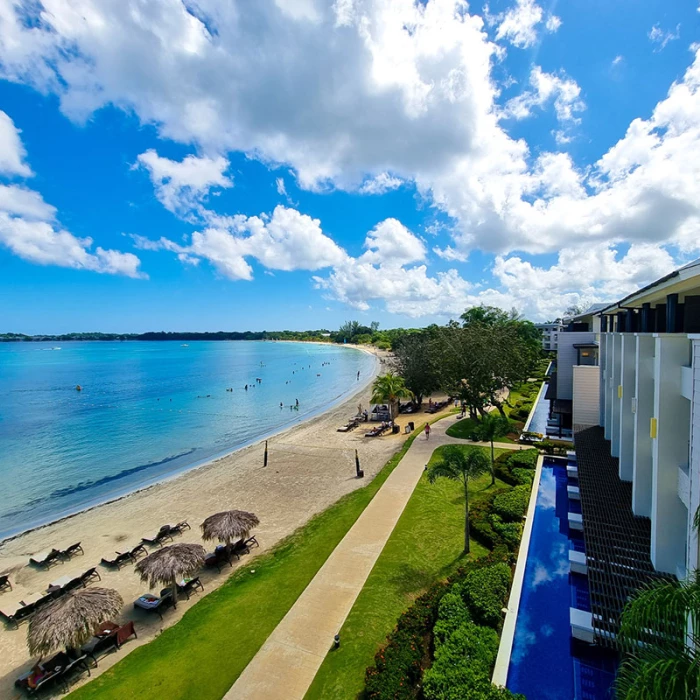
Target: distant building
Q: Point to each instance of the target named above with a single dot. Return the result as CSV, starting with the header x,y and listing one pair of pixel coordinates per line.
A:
x,y
550,333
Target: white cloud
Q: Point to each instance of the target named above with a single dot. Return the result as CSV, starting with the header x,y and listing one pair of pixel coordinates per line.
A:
x,y
27,223
662,36
518,25
380,184
12,152
368,87
181,185
449,253
281,189
288,240
560,90
390,243
618,60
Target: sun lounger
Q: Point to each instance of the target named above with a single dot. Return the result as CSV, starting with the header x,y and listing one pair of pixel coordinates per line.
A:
x,y
220,556
74,670
119,561
90,575
190,586
46,559
22,614
180,528
251,541
135,552
109,636
52,670
65,584
152,603
71,551
161,536
5,583
239,548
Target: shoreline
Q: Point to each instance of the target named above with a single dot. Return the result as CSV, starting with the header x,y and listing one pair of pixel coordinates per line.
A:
x,y
211,461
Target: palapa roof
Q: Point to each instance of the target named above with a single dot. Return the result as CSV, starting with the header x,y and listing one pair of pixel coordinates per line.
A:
x,y
172,562
69,621
229,525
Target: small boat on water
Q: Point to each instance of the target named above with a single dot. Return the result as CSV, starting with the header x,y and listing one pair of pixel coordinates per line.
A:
x,y
184,345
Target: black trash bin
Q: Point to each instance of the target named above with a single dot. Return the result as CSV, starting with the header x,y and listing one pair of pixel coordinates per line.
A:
x,y
395,429
411,425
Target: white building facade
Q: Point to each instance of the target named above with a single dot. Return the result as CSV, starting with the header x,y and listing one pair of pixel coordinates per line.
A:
x,y
550,334
649,407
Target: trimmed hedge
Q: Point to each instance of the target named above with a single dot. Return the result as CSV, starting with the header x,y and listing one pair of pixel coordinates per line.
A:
x,y
522,458
512,505
485,591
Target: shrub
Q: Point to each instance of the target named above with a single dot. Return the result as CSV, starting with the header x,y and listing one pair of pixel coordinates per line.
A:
x,y
452,614
522,458
383,345
484,591
523,476
512,505
509,532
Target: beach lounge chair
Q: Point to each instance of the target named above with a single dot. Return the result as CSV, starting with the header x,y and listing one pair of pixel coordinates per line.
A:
x,y
180,528
190,586
74,670
239,548
5,583
119,561
251,541
161,536
135,552
220,556
109,636
46,559
90,575
22,614
52,671
71,551
152,603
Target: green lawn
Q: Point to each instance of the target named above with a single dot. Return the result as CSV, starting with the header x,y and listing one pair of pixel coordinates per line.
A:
x,y
425,546
465,428
203,654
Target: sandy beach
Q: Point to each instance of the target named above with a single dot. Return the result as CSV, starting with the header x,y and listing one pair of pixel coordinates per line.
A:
x,y
310,466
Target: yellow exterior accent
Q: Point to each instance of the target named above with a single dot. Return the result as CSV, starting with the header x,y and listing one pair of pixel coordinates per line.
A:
x,y
619,391
652,428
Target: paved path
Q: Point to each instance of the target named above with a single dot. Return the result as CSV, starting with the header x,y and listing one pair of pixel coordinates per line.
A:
x,y
286,664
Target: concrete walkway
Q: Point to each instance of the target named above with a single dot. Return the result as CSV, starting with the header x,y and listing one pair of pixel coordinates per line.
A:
x,y
286,664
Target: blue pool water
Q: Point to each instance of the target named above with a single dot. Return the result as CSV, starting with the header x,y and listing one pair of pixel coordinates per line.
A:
x,y
538,424
546,664
147,410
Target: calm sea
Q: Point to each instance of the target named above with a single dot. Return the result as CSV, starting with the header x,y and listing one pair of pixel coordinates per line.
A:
x,y
147,410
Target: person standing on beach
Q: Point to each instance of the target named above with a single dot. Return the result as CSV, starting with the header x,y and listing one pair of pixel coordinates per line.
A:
x,y
427,431
358,375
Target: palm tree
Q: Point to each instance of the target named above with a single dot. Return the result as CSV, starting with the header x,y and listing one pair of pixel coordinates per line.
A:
x,y
660,633
460,464
388,389
489,428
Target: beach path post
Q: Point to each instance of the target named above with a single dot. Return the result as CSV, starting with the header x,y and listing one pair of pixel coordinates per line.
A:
x,y
359,471
265,457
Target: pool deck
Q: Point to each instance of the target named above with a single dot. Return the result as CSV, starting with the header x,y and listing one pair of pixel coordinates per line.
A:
x,y
500,671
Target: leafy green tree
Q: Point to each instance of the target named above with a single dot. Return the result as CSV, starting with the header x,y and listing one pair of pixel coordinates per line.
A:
x,y
485,315
660,635
416,364
460,465
490,427
388,389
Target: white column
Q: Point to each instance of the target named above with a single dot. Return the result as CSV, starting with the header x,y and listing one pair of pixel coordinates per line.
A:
x,y
609,352
669,517
614,400
601,362
628,359
644,410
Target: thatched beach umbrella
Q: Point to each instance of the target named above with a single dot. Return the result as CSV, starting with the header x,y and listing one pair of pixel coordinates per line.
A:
x,y
69,621
170,564
229,525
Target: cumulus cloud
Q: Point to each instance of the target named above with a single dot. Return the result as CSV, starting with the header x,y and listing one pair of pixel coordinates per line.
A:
x,y
27,223
380,184
12,152
519,24
367,87
181,185
287,240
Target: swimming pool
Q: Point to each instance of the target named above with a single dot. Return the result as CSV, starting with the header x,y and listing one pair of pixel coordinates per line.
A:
x,y
546,663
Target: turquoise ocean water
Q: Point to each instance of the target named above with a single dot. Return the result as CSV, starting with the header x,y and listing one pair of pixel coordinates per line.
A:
x,y
147,410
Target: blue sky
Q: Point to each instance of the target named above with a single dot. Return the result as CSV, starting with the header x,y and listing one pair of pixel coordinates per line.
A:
x,y
296,163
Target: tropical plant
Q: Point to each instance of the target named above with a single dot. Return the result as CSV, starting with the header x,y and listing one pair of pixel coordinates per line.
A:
x,y
416,362
660,633
460,464
388,389
491,426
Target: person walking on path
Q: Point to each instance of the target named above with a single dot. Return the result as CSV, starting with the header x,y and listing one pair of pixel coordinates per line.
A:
x,y
427,431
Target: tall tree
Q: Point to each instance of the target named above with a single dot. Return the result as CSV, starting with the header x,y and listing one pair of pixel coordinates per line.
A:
x,y
489,428
388,389
460,464
416,364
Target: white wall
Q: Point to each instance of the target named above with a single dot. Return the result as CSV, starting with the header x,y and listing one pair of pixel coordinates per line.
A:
x,y
586,406
693,553
567,356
